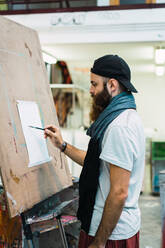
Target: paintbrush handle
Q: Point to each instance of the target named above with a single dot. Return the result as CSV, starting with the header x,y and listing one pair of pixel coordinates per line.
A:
x,y
37,128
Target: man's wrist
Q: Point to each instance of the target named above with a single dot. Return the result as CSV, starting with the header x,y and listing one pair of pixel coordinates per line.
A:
x,y
63,146
96,245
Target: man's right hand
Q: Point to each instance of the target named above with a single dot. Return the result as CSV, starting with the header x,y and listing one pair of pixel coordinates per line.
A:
x,y
54,134
72,152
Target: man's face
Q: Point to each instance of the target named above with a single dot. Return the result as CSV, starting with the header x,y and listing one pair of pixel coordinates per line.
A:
x,y
96,84
100,95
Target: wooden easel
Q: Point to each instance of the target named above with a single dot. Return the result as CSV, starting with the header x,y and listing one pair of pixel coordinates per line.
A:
x,y
23,77
29,235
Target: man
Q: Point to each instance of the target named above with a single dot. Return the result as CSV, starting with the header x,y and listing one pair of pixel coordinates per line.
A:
x,y
113,165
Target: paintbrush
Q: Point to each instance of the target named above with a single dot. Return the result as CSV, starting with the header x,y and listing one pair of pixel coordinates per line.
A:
x,y
37,128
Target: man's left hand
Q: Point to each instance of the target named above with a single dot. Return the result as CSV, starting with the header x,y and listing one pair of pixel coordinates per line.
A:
x,y
96,246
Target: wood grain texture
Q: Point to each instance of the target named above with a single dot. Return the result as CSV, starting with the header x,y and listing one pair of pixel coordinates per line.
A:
x,y
23,77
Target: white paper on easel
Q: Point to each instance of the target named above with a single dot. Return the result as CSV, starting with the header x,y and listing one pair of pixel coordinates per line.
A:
x,y
35,141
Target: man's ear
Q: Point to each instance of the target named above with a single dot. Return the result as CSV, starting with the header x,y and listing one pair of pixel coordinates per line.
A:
x,y
112,85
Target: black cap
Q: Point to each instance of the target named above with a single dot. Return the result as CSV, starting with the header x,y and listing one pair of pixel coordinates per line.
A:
x,y
112,66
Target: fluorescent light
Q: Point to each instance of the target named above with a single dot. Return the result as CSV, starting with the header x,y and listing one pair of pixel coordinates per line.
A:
x,y
49,58
160,56
159,70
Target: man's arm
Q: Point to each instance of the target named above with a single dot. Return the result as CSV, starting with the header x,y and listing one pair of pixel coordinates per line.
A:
x,y
114,204
54,134
75,154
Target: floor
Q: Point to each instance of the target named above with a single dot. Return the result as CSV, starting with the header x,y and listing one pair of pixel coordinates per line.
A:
x,y
150,234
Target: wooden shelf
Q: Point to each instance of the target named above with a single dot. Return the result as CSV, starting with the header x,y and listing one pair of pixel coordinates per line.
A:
x,y
68,86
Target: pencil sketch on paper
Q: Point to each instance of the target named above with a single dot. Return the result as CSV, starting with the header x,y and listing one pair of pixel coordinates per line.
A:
x,y
35,141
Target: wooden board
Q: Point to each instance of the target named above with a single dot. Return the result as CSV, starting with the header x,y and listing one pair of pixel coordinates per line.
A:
x,y
23,77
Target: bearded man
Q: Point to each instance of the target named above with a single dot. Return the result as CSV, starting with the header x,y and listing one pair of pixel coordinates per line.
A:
x,y
112,173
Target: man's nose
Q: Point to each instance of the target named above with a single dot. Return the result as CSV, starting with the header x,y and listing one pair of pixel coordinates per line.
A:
x,y
91,91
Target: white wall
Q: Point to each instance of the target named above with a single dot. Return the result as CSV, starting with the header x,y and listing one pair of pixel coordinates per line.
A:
x,y
151,102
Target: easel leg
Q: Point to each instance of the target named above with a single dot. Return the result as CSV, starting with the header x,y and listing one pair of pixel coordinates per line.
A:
x,y
27,232
30,244
62,232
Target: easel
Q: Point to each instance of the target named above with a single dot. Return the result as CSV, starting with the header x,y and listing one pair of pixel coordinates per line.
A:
x,y
57,214
27,232
34,183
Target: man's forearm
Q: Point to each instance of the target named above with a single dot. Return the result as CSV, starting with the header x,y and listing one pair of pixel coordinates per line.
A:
x,y
75,154
54,134
111,214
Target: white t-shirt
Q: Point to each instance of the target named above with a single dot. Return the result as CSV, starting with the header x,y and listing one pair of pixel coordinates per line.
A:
x,y
123,145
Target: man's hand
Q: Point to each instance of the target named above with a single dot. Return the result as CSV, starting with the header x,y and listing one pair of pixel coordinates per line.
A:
x,y
72,152
54,134
96,246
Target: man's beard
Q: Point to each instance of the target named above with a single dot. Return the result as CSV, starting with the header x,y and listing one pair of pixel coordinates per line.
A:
x,y
99,102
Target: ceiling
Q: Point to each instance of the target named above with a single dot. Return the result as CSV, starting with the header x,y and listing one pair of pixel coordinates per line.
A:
x,y
132,34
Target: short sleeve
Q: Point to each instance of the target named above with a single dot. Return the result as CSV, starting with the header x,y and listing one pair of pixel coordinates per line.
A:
x,y
118,147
